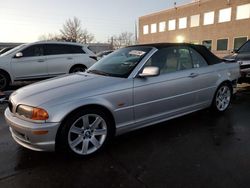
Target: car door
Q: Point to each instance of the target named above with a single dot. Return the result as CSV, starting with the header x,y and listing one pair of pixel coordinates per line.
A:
x,y
205,80
30,64
173,92
59,58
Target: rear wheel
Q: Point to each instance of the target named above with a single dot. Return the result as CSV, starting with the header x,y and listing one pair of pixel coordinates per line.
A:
x,y
222,98
85,133
77,69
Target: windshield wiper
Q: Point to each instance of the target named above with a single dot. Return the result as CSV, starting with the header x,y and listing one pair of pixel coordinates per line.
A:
x,y
98,72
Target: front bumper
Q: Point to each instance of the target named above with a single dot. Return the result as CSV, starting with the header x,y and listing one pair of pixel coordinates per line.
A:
x,y
245,75
244,71
23,133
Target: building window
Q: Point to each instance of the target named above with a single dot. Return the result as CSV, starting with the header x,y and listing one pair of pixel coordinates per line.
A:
x,y
238,42
207,43
145,29
225,15
153,28
183,23
195,20
171,25
243,12
208,18
222,44
162,26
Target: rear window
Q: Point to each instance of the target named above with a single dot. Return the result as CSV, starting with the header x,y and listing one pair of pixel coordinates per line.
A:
x,y
57,49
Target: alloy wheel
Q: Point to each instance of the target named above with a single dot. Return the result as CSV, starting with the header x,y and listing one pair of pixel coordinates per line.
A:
x,y
223,98
87,134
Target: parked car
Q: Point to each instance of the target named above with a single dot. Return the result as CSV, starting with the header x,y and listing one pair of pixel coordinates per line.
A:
x,y
242,56
5,50
43,60
133,87
103,54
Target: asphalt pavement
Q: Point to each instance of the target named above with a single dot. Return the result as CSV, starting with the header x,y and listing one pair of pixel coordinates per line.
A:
x,y
197,150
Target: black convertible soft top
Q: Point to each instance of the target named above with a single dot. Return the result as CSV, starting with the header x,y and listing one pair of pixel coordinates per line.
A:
x,y
207,54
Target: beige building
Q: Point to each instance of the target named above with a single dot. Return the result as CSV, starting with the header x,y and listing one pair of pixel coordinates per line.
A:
x,y
221,25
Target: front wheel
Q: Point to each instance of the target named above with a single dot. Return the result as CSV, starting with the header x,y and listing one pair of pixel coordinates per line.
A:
x,y
85,133
222,98
4,81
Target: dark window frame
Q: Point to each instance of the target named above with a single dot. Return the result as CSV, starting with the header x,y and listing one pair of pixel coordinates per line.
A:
x,y
221,48
240,45
33,46
58,49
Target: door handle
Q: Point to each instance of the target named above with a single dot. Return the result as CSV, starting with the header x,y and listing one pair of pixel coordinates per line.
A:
x,y
69,58
193,75
40,60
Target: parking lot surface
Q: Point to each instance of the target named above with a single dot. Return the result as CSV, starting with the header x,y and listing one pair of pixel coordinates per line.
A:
x,y
197,150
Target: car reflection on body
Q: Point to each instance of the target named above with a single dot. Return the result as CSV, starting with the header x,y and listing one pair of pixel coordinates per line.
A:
x,y
133,87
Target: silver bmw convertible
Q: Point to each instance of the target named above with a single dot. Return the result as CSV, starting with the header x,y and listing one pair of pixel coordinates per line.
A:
x,y
133,87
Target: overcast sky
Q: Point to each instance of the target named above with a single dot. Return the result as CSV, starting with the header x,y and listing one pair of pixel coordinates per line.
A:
x,y
26,20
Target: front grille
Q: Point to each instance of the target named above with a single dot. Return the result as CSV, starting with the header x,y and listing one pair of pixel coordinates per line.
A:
x,y
244,66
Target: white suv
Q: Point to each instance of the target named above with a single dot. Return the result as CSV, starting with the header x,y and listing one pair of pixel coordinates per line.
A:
x,y
43,60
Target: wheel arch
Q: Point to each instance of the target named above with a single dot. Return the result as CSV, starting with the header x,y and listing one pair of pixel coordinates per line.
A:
x,y
226,82
229,83
8,74
89,106
77,65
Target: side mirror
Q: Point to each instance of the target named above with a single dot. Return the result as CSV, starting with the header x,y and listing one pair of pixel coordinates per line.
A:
x,y
236,50
150,72
19,55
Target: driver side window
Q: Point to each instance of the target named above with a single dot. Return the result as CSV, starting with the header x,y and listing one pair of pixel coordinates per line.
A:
x,y
171,59
165,59
33,51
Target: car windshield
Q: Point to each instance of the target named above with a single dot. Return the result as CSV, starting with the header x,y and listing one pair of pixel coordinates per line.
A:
x,y
245,47
13,50
121,62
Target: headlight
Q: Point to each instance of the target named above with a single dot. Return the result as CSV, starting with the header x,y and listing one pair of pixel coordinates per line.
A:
x,y
33,113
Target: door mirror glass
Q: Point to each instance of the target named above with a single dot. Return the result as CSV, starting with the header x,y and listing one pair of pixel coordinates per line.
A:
x,y
150,72
19,55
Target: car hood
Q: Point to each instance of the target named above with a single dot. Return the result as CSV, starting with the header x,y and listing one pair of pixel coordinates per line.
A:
x,y
66,88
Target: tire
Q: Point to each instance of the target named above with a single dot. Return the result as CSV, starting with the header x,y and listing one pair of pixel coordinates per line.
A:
x,y
77,69
85,133
222,98
4,81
